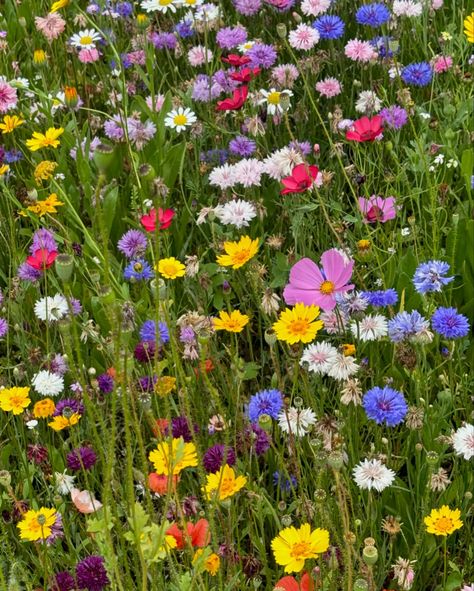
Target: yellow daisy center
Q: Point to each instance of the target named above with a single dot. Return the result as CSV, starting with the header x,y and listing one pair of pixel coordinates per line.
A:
x,y
86,40
298,327
178,119
301,550
274,98
170,269
444,524
241,256
164,2
327,287
17,401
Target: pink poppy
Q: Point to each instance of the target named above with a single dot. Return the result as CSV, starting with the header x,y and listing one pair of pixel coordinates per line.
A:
x,y
85,501
311,285
377,209
165,218
42,259
365,129
302,178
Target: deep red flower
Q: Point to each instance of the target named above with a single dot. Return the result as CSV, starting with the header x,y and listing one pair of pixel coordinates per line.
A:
x,y
42,259
291,584
236,60
198,535
165,218
302,177
236,102
365,129
245,74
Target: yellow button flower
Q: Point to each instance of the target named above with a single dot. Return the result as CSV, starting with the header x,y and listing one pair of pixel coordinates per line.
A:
x,y
238,253
292,547
171,268
232,322
298,324
14,399
10,122
171,457
36,525
444,521
223,484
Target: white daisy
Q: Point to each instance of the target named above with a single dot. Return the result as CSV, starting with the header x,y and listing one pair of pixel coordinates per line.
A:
x,y
243,47
236,213
371,328
180,118
159,5
51,308
63,482
48,383
342,367
189,3
85,39
296,421
463,441
370,474
319,357
273,99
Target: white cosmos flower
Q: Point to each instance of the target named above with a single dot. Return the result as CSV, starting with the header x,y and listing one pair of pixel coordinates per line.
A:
x,y
273,98
48,383
371,328
370,474
342,367
296,421
236,213
63,482
159,5
463,441
85,39
319,357
180,118
51,308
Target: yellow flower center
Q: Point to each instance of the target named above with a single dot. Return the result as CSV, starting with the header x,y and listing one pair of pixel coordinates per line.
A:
x,y
274,98
241,256
227,487
301,550
444,524
164,2
327,287
16,401
298,327
169,269
86,40
178,119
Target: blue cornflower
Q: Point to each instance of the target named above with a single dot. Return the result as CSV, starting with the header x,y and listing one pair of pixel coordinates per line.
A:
x,y
148,331
385,46
373,15
449,324
185,29
385,405
124,9
217,156
419,74
381,298
242,146
329,26
406,325
265,402
138,270
431,276
285,484
13,156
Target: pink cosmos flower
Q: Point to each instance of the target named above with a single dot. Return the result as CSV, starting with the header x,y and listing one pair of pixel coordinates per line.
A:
x,y
8,97
311,285
377,209
303,37
51,25
442,63
85,501
360,51
329,87
88,56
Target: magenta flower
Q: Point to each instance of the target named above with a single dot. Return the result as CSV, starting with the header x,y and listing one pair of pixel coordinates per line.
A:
x,y
377,209
311,285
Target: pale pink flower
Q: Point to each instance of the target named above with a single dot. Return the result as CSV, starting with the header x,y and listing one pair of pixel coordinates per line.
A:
x,y
314,7
248,172
285,75
88,56
8,98
329,87
303,37
85,501
223,176
360,51
442,63
437,4
199,55
159,101
51,25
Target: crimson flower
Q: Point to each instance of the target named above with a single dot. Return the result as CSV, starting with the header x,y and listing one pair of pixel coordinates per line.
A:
x,y
236,102
291,584
197,535
165,218
42,259
365,129
236,60
302,177
245,74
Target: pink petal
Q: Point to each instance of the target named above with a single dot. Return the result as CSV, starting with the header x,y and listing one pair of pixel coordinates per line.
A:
x,y
305,274
335,267
294,295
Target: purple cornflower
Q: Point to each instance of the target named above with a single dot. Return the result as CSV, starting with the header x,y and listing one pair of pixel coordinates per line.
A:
x,y
394,116
147,383
216,157
304,147
75,305
185,29
12,156
283,483
247,7
148,332
27,273
145,351
106,383
124,9
381,298
419,74
224,81
205,89
140,133
81,458
265,402
431,276
449,323
261,55
91,573
67,407
187,335
163,40
63,581
230,37
385,405
242,146
43,238
216,456
56,530
113,129
3,327
132,244
59,364
262,440
138,270
373,15
329,26
406,325
180,428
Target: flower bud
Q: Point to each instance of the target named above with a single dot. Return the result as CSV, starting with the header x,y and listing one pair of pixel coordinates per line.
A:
x,y
270,337
335,460
370,555
360,585
104,157
432,458
64,266
5,478
281,30
71,97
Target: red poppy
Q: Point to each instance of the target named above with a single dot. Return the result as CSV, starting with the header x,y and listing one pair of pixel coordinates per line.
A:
x,y
206,366
198,535
245,74
159,483
302,177
365,129
236,60
291,584
236,102
165,218
161,427
42,259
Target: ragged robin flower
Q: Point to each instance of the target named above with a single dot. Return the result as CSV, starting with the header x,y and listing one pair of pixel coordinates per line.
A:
x,y
36,525
45,140
238,253
298,324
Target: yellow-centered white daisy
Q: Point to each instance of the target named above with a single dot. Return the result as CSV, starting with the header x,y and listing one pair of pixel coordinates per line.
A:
x,y
180,118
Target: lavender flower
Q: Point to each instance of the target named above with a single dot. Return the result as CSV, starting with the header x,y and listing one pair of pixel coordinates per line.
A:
x,y
59,364
247,7
230,37
67,407
43,238
242,146
27,273
216,456
3,327
106,383
63,581
406,325
261,56
394,116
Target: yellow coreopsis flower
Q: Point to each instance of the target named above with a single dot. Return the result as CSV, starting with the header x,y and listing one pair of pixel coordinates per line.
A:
x,y
171,457
44,171
45,140
59,423
3,169
46,205
43,408
298,324
444,521
469,27
10,122
58,5
292,547
171,268
232,322
14,399
211,564
223,484
36,525
238,253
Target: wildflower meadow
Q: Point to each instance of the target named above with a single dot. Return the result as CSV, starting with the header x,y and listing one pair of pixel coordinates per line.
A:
x,y
236,295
